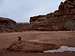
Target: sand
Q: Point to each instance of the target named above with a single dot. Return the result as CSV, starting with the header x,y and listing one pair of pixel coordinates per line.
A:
x,y
56,37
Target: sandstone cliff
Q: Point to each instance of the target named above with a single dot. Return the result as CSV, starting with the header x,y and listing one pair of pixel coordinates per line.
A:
x,y
61,19
6,24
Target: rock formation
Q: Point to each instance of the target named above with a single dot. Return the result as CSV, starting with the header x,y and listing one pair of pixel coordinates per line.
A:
x,y
22,27
61,19
6,21
6,24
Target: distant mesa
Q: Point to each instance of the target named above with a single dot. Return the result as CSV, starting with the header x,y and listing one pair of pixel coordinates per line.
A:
x,y
60,20
9,25
6,24
6,21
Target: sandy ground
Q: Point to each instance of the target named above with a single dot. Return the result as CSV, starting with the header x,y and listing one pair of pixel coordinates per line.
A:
x,y
56,37
6,53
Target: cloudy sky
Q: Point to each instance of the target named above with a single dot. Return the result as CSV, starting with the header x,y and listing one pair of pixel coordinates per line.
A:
x,y
21,10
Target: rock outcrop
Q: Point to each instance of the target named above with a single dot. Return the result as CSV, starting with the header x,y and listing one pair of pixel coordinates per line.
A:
x,y
61,19
6,24
6,21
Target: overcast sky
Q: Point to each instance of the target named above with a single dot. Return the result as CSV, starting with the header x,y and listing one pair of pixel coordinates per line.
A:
x,y
22,10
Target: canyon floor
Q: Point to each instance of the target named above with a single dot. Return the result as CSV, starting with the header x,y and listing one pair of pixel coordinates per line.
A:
x,y
37,54
66,38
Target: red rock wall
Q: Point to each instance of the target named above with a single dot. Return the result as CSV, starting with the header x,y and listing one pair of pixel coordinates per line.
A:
x,y
57,20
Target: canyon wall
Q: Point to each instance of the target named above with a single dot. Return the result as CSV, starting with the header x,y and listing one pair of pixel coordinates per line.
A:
x,y
62,19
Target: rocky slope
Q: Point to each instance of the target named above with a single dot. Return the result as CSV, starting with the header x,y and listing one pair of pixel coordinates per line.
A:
x,y
61,19
6,24
22,27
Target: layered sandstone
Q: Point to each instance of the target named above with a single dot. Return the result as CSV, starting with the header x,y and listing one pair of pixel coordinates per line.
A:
x,y
9,25
61,19
6,24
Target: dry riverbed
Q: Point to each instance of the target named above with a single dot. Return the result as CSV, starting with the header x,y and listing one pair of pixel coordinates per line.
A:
x,y
65,38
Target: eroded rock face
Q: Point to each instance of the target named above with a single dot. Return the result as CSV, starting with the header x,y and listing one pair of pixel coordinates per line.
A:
x,y
6,24
6,21
61,19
